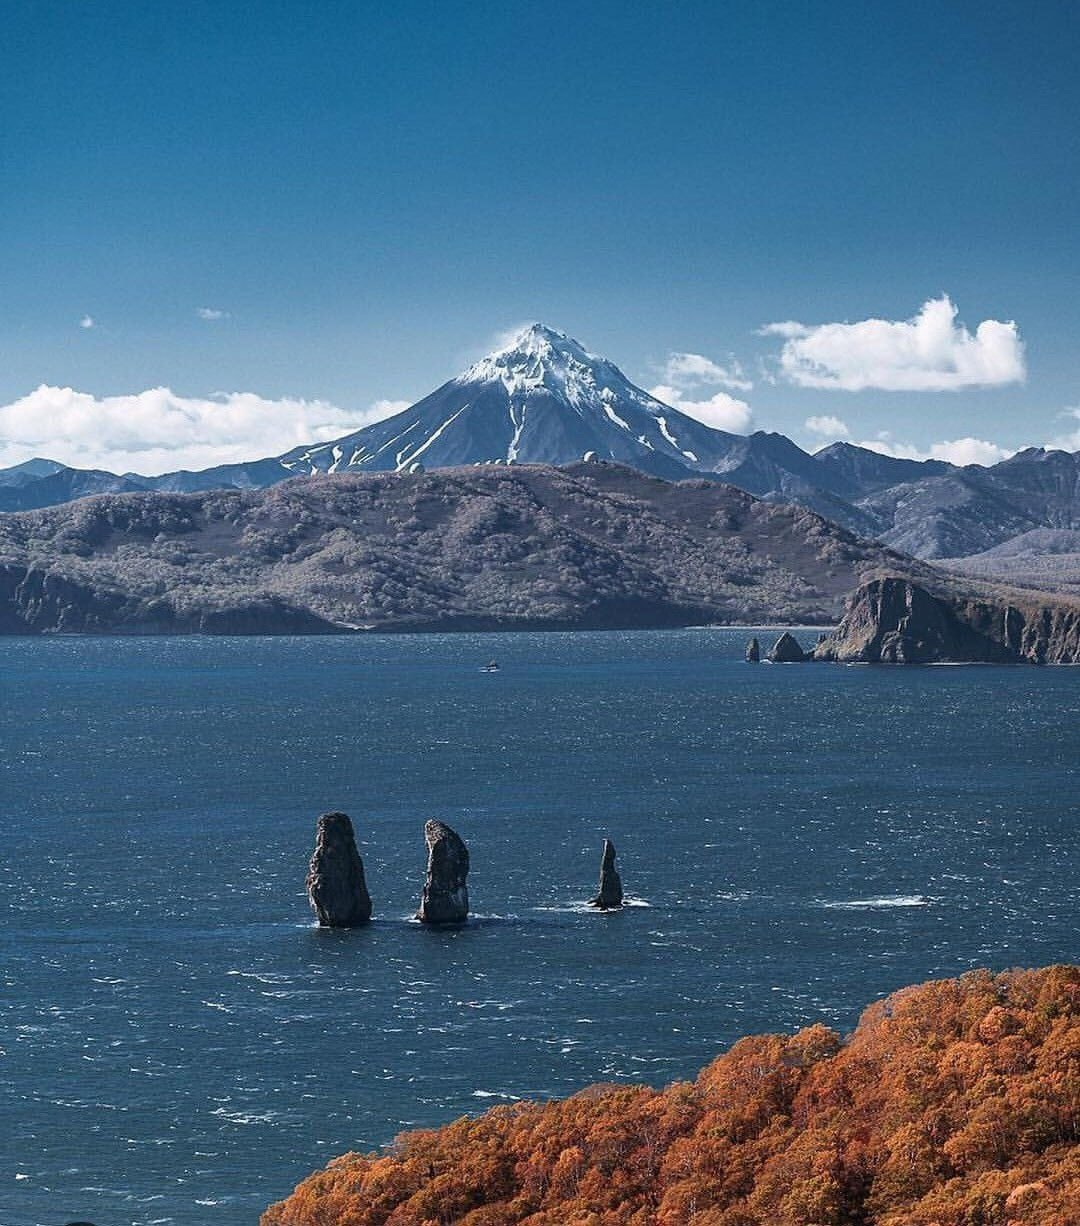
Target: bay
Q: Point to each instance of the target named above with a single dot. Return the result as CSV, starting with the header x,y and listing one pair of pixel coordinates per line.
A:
x,y
178,1042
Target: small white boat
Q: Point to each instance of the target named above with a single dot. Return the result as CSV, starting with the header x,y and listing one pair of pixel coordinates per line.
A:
x,y
490,667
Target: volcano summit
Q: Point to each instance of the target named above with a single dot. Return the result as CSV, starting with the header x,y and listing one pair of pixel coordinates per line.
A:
x,y
543,399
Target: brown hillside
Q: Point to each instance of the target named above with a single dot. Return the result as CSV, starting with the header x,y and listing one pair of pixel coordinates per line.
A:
x,y
956,1103
594,546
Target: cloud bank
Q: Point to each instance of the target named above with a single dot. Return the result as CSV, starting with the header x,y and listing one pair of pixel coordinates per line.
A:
x,y
688,380
957,451
931,352
159,431
695,368
1070,441
721,411
827,427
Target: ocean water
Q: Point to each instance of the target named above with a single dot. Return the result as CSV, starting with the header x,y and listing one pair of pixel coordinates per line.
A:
x,y
178,1043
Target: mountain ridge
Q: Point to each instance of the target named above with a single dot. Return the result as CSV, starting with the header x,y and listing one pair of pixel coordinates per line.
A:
x,y
544,398
592,545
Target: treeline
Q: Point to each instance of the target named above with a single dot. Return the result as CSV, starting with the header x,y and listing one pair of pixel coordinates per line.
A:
x,y
956,1103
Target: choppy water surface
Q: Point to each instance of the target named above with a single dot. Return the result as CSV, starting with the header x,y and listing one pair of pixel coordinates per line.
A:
x,y
178,1044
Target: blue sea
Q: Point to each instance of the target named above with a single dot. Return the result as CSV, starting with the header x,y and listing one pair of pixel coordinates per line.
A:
x,y
179,1044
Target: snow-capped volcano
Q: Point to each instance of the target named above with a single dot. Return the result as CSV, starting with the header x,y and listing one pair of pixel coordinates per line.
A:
x,y
542,399
540,357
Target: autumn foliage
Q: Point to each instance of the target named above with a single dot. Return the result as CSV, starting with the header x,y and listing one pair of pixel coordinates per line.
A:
x,y
956,1103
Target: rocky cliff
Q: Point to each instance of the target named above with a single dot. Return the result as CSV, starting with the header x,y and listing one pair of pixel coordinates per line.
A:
x,y
42,599
893,620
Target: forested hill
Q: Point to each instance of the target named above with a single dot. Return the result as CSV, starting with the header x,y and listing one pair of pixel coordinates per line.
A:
x,y
593,545
956,1103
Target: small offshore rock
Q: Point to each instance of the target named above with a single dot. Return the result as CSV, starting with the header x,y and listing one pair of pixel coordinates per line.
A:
x,y
786,650
610,895
753,652
335,882
445,897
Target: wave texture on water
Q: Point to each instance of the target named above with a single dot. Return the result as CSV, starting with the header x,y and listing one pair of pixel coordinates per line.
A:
x,y
181,1045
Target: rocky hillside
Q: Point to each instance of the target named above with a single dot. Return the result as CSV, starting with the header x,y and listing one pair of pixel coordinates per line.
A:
x,y
593,545
966,511
956,1103
1047,559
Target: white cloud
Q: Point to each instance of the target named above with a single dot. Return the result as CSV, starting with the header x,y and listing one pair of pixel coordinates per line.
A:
x,y
827,427
787,327
211,313
688,382
692,369
970,451
386,408
957,451
930,353
1070,441
721,411
87,321
158,431
503,338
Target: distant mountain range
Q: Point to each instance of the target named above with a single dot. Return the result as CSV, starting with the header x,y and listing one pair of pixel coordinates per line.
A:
x,y
544,399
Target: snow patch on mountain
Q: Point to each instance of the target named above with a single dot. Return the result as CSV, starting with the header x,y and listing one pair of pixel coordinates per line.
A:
x,y
541,357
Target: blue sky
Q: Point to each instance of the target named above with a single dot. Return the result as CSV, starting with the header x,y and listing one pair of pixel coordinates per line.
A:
x,y
359,197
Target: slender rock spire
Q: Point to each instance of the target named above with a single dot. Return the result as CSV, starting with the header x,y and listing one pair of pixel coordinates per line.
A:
x,y
610,895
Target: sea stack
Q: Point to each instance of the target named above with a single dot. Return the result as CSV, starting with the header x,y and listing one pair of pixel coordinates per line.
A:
x,y
753,652
610,895
335,882
786,650
445,898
